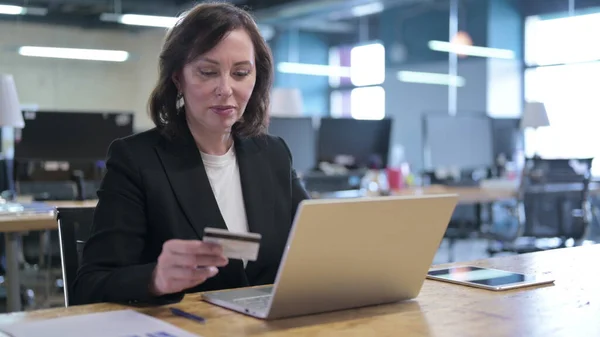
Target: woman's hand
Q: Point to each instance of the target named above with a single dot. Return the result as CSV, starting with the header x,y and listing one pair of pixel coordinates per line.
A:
x,y
184,264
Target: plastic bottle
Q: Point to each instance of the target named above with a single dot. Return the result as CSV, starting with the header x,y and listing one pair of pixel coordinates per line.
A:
x,y
375,180
394,170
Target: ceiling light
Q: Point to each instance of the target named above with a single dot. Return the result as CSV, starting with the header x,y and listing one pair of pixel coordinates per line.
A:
x,y
18,10
430,78
140,20
165,22
367,9
12,10
148,20
75,54
312,69
461,49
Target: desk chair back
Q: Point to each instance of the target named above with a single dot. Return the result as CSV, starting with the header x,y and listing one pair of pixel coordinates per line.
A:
x,y
556,211
555,198
553,202
74,226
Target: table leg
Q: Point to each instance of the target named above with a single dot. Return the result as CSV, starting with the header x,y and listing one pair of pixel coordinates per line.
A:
x,y
13,285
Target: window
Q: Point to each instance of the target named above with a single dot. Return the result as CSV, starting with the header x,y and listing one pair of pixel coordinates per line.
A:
x,y
339,57
367,103
566,78
358,96
570,94
562,40
367,64
340,103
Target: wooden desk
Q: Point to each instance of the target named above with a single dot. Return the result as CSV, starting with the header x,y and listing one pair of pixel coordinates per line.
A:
x,y
571,307
466,195
12,226
72,204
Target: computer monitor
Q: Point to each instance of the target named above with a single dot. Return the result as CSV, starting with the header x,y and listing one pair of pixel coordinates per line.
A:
x,y
463,141
361,139
507,136
300,135
70,136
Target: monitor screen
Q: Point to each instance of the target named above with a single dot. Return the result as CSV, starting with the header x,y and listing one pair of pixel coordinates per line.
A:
x,y
508,137
300,136
362,140
70,136
461,141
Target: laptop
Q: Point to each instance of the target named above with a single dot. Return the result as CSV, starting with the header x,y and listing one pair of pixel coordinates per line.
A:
x,y
349,253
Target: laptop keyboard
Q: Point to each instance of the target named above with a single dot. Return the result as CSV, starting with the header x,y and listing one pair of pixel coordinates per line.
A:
x,y
255,302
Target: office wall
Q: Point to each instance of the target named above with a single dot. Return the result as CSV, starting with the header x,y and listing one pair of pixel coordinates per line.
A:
x,y
413,26
407,102
505,31
493,86
59,84
91,86
310,48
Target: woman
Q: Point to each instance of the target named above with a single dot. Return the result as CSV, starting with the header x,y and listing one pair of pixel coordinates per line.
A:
x,y
207,163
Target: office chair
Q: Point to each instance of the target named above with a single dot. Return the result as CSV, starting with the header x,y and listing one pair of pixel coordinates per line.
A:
x,y
553,203
464,223
74,226
48,190
466,220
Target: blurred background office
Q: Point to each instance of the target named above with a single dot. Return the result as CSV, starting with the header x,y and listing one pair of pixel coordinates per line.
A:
x,y
496,100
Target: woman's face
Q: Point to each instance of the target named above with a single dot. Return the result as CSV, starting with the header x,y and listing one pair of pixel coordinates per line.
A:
x,y
217,85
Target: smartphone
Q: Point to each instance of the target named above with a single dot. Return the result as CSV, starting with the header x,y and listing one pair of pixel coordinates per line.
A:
x,y
487,278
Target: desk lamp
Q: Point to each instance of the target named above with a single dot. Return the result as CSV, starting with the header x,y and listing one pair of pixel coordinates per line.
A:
x,y
10,117
534,116
286,102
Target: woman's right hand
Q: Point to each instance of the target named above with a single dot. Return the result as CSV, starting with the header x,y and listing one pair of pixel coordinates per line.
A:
x,y
184,264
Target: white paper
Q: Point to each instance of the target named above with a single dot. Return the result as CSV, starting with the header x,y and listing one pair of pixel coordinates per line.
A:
x,y
123,323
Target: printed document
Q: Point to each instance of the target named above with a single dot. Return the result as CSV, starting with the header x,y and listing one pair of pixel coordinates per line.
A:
x,y
122,323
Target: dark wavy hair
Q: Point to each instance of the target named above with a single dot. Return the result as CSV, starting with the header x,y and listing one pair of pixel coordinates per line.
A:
x,y
198,31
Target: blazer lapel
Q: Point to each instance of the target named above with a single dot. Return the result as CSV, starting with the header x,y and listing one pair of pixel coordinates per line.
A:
x,y
185,170
257,186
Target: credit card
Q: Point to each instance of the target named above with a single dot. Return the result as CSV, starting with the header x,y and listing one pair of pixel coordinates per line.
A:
x,y
242,246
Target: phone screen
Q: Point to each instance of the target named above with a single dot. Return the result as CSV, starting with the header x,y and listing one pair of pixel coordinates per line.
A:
x,y
483,276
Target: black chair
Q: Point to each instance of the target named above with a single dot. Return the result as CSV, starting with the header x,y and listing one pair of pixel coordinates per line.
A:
x,y
466,220
74,226
464,223
553,203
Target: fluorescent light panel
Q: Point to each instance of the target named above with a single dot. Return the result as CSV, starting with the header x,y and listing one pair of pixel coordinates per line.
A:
x,y
312,69
449,47
18,10
148,20
164,22
12,10
430,78
367,9
140,20
75,53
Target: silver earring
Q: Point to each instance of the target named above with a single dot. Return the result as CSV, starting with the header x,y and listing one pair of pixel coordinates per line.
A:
x,y
179,102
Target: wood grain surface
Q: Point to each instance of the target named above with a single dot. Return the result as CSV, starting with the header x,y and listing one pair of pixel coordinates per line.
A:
x,y
569,307
466,195
26,223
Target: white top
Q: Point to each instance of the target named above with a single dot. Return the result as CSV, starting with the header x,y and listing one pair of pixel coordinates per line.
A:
x,y
224,176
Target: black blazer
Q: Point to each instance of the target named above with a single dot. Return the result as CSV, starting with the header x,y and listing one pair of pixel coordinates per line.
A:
x,y
156,189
